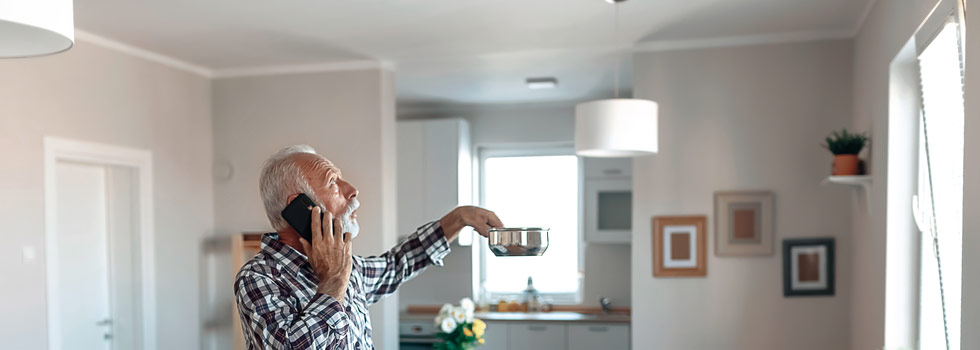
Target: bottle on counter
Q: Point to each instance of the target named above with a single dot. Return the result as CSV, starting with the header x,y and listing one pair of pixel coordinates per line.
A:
x,y
532,298
483,300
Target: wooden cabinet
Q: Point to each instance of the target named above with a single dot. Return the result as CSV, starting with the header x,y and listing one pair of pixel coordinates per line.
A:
x,y
434,171
244,246
608,206
537,335
598,336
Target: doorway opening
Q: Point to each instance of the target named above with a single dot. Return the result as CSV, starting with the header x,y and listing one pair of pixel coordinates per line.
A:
x,y
99,246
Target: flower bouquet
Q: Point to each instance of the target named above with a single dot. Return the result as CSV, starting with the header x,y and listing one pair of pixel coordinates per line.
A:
x,y
458,329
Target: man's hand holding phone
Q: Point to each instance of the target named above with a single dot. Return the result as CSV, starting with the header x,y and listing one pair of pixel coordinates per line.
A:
x,y
329,254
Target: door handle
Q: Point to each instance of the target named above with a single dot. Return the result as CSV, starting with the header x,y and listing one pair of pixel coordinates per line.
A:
x,y
105,322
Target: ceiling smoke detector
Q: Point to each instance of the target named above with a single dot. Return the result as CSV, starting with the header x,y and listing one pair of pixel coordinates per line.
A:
x,y
541,83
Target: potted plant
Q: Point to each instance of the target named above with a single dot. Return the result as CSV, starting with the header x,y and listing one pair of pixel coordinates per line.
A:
x,y
845,146
458,329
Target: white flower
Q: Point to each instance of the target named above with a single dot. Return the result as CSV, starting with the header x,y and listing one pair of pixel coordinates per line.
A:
x,y
446,310
459,314
469,316
467,304
448,325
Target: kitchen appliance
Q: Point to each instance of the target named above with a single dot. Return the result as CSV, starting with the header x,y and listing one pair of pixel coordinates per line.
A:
x,y
417,334
518,241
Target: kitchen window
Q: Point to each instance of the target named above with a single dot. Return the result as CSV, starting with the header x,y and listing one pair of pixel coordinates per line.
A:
x,y
534,187
940,188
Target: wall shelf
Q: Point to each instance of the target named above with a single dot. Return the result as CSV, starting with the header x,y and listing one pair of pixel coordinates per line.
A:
x,y
861,181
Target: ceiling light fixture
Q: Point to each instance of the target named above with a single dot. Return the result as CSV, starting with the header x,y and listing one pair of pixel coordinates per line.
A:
x,y
35,27
541,83
616,127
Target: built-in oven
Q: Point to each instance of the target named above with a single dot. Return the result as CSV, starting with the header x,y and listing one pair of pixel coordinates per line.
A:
x,y
416,335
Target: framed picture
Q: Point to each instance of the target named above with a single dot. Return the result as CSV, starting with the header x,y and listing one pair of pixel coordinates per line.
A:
x,y
808,266
679,246
744,223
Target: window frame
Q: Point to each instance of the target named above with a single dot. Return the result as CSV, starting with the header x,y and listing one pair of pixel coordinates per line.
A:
x,y
481,248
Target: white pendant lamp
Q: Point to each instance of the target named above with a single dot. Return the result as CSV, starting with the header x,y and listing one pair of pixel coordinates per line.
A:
x,y
35,27
617,127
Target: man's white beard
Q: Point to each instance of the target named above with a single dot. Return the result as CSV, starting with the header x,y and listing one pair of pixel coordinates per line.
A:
x,y
347,222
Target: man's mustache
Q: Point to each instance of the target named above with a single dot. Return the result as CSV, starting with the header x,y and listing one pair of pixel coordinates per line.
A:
x,y
351,207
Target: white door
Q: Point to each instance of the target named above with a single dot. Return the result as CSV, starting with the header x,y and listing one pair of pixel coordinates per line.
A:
x,y
84,315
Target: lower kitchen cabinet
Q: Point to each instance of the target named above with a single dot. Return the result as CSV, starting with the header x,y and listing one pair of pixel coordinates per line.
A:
x,y
538,336
496,336
556,336
598,336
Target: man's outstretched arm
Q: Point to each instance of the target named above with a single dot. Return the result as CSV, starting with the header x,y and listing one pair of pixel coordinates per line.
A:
x,y
427,246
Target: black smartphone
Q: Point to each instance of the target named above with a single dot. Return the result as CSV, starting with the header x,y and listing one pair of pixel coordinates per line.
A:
x,y
298,213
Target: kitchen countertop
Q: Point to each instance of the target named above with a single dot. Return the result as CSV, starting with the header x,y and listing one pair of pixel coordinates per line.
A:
x,y
554,316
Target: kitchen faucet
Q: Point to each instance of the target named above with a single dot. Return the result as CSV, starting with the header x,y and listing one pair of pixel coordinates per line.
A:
x,y
606,305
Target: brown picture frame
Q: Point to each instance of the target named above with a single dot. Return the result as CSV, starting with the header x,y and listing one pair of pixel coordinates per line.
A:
x,y
663,264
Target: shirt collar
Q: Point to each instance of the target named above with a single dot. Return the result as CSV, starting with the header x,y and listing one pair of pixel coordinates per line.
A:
x,y
291,258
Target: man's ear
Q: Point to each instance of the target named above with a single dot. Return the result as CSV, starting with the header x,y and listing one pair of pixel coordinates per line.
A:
x,y
291,198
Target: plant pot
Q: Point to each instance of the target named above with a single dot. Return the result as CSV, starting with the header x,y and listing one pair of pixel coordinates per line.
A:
x,y
846,164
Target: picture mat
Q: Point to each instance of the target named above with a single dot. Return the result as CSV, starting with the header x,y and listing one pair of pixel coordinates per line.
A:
x,y
724,245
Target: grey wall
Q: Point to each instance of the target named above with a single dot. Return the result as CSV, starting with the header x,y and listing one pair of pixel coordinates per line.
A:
x,y
348,117
743,118
94,94
607,267
889,25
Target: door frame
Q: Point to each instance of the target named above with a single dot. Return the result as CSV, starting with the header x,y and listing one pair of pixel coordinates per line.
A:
x,y
59,149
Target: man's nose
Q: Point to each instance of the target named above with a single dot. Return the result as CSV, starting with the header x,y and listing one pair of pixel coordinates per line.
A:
x,y
348,189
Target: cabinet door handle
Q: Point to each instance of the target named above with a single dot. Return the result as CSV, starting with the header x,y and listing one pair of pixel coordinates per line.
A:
x,y
537,328
598,328
612,171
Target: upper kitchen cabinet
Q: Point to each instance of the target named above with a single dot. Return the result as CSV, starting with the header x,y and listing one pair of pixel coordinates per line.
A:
x,y
608,188
434,171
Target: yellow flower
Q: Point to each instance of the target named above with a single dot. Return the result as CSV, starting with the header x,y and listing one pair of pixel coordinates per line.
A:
x,y
480,340
467,332
479,325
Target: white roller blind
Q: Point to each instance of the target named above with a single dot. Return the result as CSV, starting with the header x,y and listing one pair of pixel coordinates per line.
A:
x,y
941,70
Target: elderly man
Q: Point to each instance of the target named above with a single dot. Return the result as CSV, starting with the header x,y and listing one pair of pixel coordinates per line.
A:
x,y
296,294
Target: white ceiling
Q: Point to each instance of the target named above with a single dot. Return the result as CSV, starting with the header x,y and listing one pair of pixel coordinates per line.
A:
x,y
456,51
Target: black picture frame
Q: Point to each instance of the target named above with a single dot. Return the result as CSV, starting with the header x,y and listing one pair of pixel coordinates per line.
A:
x,y
788,244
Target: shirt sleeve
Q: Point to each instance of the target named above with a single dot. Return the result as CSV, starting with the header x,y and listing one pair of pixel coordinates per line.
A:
x,y
271,321
383,274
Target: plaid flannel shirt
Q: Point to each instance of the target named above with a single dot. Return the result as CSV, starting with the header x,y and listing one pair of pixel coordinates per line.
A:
x,y
281,309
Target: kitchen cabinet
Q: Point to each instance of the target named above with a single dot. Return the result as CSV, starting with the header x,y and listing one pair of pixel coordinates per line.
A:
x,y
496,336
434,171
606,168
598,336
537,335
608,192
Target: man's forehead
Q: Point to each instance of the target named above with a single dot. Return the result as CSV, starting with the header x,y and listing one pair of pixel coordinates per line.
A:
x,y
317,165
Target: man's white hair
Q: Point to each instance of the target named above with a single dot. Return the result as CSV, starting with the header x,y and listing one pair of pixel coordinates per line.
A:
x,y
282,177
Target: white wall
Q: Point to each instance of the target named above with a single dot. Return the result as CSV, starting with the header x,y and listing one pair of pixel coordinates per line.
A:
x,y
889,25
744,118
348,117
607,267
94,94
